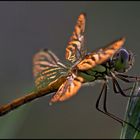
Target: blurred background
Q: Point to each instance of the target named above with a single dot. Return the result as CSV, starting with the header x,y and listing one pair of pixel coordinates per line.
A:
x,y
26,27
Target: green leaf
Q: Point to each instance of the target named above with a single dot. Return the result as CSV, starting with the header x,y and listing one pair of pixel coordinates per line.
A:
x,y
132,116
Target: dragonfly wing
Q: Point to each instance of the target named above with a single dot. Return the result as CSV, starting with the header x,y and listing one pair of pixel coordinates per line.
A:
x,y
75,48
68,89
100,56
46,68
48,75
42,60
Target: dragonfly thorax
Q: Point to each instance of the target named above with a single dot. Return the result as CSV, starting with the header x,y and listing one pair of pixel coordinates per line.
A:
x,y
121,62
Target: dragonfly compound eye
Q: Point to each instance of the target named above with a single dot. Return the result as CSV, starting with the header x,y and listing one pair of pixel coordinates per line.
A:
x,y
122,60
124,55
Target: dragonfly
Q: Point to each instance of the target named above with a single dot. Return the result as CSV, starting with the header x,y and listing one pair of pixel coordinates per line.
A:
x,y
80,67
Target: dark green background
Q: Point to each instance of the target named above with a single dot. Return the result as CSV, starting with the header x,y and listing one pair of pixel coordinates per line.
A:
x,y
26,27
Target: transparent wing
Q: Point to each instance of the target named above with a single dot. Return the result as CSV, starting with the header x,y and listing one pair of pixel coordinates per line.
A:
x,y
46,68
68,89
75,48
42,60
100,56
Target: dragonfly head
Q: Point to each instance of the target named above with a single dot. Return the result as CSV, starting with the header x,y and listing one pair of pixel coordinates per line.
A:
x,y
123,60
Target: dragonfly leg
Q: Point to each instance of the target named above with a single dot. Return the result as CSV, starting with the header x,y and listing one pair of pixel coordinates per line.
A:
x,y
104,90
121,91
127,78
116,84
105,111
115,89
